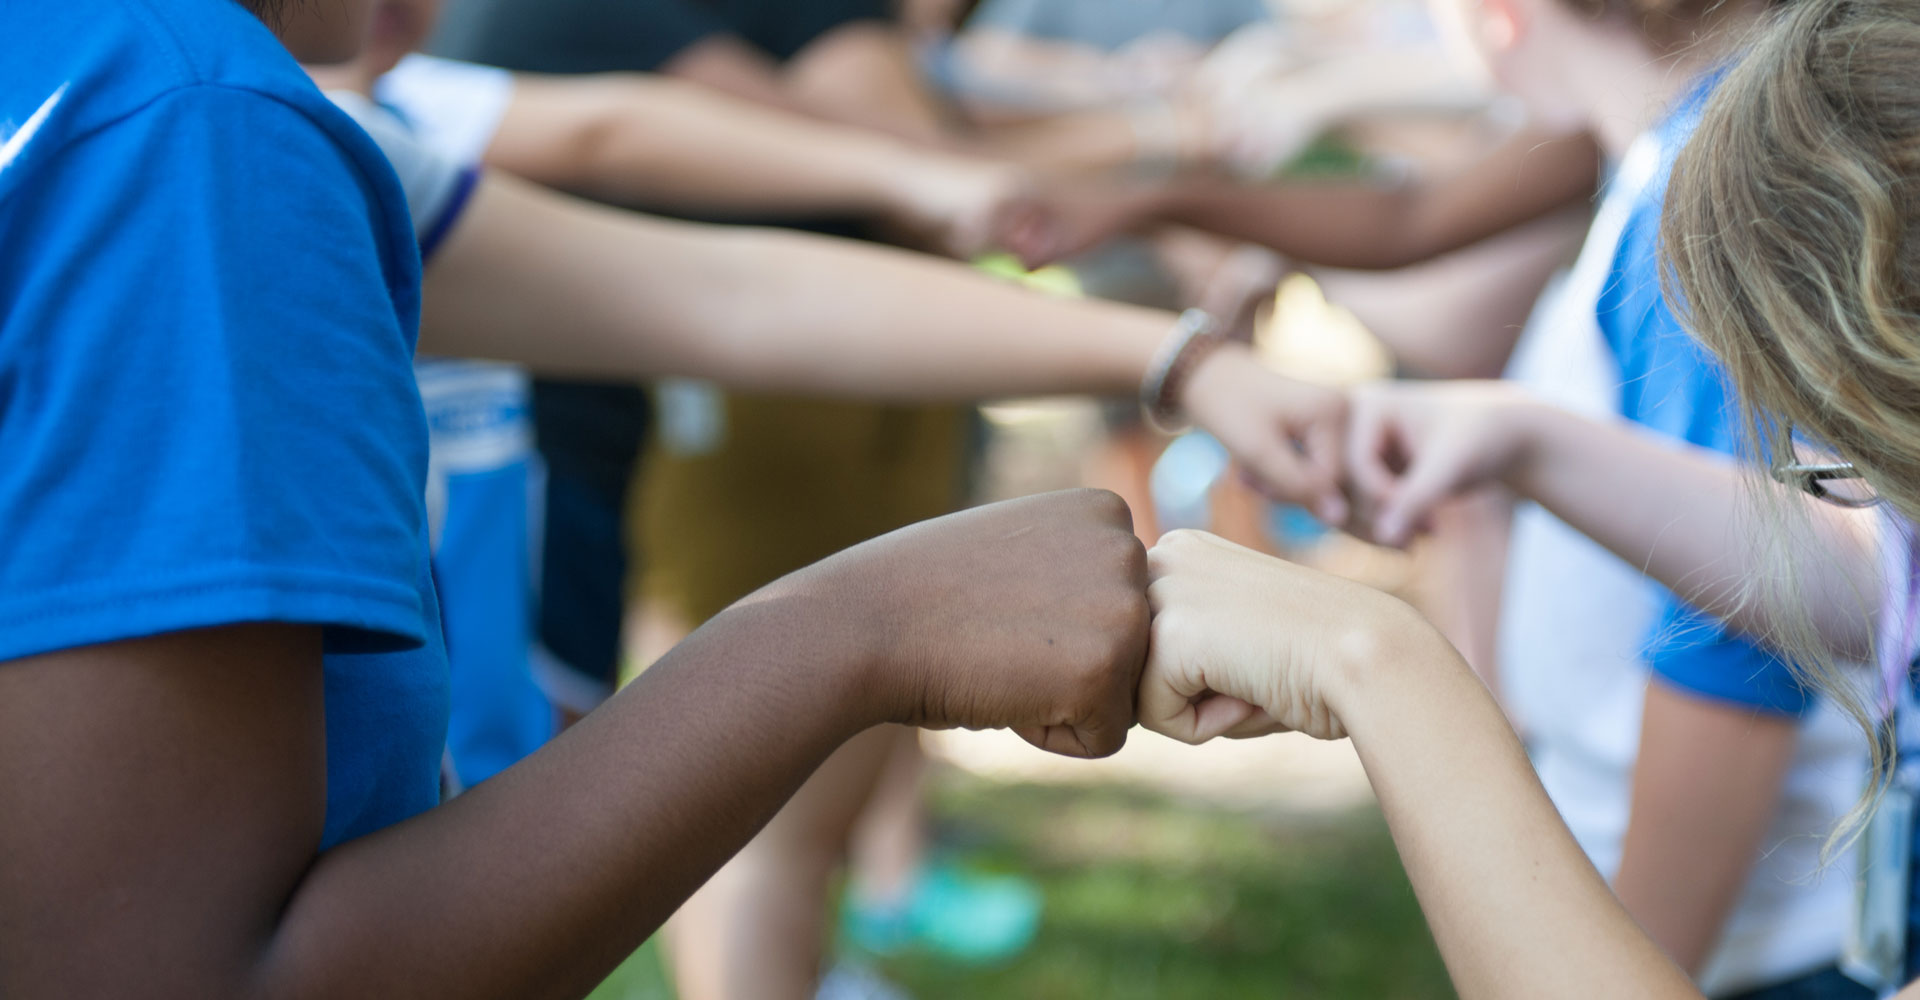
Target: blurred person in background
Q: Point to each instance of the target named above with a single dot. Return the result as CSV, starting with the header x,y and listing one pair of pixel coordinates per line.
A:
x,y
1790,234
738,489
1234,88
1691,765
735,489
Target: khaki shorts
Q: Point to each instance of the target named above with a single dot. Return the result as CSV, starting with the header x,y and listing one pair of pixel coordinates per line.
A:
x,y
788,483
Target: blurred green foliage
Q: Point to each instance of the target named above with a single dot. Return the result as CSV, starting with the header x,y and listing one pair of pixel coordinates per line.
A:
x,y
1148,896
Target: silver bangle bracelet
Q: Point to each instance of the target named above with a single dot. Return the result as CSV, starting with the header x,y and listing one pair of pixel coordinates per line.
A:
x,y
1194,336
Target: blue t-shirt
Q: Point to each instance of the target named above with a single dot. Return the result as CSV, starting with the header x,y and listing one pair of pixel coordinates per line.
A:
x,y
1669,382
209,292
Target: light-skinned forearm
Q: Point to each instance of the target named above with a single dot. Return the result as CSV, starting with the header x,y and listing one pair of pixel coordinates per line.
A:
x,y
1684,515
618,296
1516,908
587,846
603,137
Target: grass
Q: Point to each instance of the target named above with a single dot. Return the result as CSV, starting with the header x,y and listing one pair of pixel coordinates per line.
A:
x,y
1151,897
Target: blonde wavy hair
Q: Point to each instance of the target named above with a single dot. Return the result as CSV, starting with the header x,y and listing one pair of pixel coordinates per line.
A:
x,y
1792,229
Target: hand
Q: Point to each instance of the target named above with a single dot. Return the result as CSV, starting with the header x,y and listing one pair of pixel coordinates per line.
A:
x,y
1067,218
1029,615
960,206
1245,644
1413,445
1288,435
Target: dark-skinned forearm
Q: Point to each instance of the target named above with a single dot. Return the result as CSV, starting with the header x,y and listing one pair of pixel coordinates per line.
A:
x,y
586,847
1379,226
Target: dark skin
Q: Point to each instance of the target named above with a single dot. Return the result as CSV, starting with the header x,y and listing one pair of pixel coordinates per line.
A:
x,y
1333,224
165,796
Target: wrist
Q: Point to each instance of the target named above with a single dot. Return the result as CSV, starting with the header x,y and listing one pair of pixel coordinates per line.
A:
x,y
1530,425
1382,658
1213,377
825,648
1189,349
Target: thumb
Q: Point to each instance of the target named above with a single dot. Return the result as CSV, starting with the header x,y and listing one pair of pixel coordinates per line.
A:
x,y
1176,703
1324,444
1369,435
1433,478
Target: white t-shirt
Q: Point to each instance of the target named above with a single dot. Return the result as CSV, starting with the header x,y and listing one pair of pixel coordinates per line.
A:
x,y
1572,668
452,107
456,108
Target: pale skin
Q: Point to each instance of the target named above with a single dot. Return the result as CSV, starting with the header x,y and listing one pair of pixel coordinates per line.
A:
x,y
1244,644
618,296
1708,776
1411,446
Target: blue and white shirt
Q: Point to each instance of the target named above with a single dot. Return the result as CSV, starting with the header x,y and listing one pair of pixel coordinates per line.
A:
x,y
1583,633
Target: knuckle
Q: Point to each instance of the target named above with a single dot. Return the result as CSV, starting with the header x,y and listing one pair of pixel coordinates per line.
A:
x,y
1132,558
1108,505
1105,741
1337,405
1179,540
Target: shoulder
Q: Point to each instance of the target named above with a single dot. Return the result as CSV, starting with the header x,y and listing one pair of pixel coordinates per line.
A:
x,y
113,71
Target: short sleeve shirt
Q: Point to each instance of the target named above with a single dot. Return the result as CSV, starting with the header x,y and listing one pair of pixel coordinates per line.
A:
x,y
603,36
209,293
1672,384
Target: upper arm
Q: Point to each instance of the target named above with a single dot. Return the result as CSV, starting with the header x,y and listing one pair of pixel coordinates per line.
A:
x,y
591,135
163,797
1706,788
612,294
551,126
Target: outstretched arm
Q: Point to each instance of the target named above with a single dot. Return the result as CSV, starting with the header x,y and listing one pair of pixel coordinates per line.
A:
x,y
164,796
574,289
1681,513
664,143
1340,224
1516,908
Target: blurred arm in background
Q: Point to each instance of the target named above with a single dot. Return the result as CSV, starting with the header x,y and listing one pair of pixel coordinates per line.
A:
x,y
1337,224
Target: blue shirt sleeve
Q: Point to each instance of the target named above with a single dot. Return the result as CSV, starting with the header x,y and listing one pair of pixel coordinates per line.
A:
x,y
206,409
1672,384
1696,654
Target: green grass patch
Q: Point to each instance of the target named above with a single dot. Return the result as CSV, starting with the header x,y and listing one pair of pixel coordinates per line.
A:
x,y
1149,897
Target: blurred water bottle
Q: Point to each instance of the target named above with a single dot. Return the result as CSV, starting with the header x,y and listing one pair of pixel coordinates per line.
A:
x,y
1183,480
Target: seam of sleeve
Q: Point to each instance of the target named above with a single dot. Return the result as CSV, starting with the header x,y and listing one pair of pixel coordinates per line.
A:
x,y
1767,685
72,616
